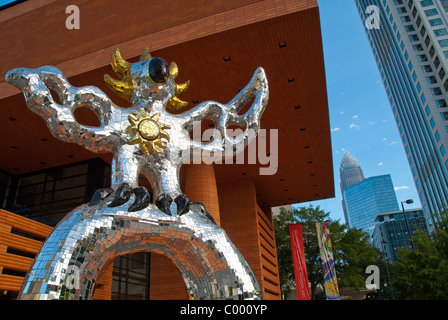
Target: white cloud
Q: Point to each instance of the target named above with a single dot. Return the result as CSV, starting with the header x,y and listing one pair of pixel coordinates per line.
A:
x,y
342,112
380,164
354,126
355,116
335,129
401,188
389,143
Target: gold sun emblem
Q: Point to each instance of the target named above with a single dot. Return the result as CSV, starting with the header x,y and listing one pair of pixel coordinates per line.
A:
x,y
147,131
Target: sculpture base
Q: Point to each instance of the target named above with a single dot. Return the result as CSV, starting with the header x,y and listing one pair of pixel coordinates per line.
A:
x,y
88,239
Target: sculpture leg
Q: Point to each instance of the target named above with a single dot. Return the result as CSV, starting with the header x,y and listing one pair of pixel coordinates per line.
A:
x,y
164,177
125,171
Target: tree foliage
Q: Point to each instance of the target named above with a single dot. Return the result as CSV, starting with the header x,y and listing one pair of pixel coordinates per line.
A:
x,y
352,250
421,274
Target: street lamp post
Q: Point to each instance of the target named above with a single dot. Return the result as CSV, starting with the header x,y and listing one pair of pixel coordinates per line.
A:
x,y
409,201
387,268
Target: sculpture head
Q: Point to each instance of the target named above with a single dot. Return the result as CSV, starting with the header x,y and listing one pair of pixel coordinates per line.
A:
x,y
150,79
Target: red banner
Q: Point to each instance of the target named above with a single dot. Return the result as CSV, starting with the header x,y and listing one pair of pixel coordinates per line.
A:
x,y
298,255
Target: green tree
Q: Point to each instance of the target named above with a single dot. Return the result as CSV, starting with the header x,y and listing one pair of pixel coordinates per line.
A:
x,y
352,251
421,274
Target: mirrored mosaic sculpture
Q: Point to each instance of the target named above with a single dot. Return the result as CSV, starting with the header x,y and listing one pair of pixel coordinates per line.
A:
x,y
149,139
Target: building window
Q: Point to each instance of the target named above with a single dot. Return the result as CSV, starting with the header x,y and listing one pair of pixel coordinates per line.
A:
x,y
442,150
437,62
442,73
431,12
47,196
427,68
440,32
409,28
423,31
422,58
432,122
444,115
431,80
130,277
443,43
432,51
441,103
436,91
427,3
435,22
405,19
5,184
401,10
418,47
413,37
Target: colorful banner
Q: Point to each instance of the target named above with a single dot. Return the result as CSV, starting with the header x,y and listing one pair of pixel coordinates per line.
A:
x,y
298,256
327,260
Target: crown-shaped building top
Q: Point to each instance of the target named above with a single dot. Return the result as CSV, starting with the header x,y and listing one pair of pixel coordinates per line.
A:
x,y
350,171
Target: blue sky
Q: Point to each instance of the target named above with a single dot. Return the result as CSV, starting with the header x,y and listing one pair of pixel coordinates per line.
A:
x,y
361,119
3,2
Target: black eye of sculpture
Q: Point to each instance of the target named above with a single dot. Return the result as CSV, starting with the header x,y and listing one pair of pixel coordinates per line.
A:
x,y
158,70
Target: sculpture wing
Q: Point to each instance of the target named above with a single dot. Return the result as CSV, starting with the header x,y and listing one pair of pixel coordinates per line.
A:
x,y
36,85
227,115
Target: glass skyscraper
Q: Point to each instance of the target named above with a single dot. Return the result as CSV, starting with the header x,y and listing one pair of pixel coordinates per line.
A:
x,y
366,199
409,40
392,232
350,173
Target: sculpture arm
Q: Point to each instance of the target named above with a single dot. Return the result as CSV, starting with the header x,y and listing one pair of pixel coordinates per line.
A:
x,y
258,90
226,115
36,84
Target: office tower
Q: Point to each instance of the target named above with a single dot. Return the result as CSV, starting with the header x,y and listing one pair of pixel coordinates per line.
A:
x,y
350,173
366,199
392,231
410,45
